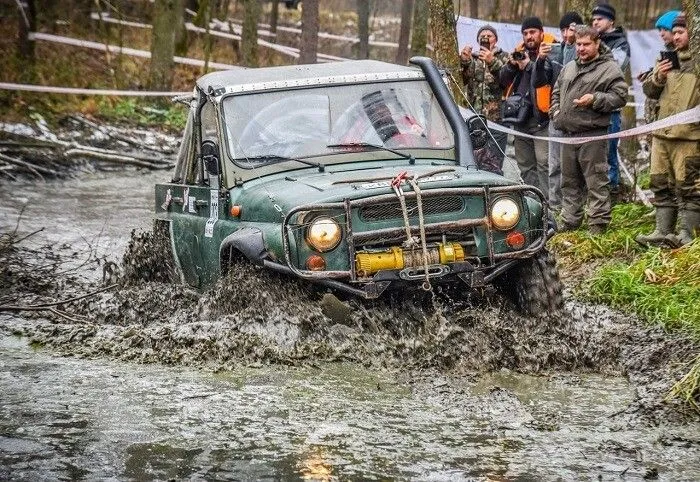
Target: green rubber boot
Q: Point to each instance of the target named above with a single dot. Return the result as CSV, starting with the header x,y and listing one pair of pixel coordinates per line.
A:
x,y
665,225
690,224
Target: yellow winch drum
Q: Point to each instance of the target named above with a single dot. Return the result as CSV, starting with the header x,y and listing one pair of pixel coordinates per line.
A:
x,y
397,258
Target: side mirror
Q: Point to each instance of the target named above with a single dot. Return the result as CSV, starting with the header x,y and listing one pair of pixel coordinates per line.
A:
x,y
478,131
210,157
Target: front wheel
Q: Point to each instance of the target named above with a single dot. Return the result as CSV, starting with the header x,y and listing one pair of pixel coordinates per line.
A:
x,y
534,285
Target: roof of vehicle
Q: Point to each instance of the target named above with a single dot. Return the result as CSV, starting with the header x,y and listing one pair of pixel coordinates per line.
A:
x,y
306,74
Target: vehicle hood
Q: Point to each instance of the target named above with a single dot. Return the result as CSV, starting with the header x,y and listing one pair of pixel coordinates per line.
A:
x,y
264,200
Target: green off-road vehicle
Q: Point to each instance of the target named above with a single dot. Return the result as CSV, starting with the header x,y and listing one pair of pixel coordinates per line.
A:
x,y
357,175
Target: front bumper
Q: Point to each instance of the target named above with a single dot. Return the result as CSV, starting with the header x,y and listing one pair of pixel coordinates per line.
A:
x,y
474,270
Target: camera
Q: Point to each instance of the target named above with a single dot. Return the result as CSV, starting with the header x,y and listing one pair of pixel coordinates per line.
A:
x,y
518,55
484,42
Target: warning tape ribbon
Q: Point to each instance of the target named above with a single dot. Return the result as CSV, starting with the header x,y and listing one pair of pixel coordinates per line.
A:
x,y
689,116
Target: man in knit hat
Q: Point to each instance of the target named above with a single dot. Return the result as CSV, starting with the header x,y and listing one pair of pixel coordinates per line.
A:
x,y
603,20
664,24
528,75
480,73
675,151
561,55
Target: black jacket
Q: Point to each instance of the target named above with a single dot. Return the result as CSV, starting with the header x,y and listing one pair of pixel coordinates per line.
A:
x,y
537,73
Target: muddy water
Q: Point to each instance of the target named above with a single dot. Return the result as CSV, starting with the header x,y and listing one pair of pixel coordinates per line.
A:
x,y
421,402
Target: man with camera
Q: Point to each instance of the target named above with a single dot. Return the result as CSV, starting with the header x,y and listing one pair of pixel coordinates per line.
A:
x,y
527,78
484,92
675,151
587,91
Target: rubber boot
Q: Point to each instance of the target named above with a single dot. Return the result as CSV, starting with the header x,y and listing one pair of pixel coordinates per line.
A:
x,y
690,224
665,225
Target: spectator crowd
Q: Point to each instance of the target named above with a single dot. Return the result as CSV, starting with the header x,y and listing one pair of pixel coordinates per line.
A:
x,y
574,87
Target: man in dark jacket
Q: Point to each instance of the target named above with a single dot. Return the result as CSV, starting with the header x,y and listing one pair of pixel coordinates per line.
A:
x,y
518,76
603,20
585,94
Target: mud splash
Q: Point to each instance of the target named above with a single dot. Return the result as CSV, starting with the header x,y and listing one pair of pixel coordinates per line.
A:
x,y
255,317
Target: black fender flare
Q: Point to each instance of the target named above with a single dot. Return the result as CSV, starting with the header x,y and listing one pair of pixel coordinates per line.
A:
x,y
249,242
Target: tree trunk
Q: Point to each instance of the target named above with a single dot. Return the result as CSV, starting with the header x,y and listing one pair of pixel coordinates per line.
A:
x,y
583,7
363,28
27,23
443,30
202,13
496,12
167,17
419,36
692,12
274,17
249,36
553,14
405,32
474,8
182,39
309,32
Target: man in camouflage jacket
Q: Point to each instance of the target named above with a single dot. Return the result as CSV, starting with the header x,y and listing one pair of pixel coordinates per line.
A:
x,y
484,92
675,151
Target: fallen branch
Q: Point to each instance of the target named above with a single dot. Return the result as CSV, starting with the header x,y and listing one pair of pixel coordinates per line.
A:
x,y
119,158
33,168
50,306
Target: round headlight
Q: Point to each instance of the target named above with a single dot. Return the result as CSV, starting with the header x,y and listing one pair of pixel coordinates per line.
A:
x,y
323,234
505,214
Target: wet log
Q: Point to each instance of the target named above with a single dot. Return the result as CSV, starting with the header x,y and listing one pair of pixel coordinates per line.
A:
x,y
115,157
34,168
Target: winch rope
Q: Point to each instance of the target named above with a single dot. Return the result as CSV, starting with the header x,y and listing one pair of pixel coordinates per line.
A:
x,y
421,224
396,185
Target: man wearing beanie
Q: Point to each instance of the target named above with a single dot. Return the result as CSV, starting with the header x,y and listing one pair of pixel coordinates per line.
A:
x,y
675,150
528,75
561,55
480,73
614,37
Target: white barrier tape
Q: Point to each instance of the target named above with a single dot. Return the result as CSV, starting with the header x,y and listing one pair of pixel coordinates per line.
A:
x,y
123,50
686,117
79,91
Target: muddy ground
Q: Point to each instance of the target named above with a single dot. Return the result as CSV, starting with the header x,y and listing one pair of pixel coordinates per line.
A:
x,y
266,377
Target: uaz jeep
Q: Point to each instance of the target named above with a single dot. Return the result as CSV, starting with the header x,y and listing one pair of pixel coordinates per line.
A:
x,y
356,175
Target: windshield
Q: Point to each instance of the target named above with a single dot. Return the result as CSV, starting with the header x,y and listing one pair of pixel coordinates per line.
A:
x,y
268,127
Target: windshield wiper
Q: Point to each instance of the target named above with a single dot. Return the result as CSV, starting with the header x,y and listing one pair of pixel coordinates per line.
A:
x,y
273,157
367,145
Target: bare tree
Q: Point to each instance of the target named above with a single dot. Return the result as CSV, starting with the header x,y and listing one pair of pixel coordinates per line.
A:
x,y
363,28
692,12
443,28
583,7
274,16
474,8
249,35
419,36
309,32
27,23
404,32
166,19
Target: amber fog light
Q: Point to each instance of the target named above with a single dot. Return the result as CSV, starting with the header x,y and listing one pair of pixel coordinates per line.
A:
x,y
515,239
323,234
315,263
505,214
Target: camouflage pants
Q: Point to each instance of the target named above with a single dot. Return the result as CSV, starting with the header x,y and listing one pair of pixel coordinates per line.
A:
x,y
584,178
675,173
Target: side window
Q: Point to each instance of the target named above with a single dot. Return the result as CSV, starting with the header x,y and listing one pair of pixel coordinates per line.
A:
x,y
209,133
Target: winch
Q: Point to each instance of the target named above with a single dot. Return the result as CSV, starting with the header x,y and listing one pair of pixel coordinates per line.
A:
x,y
370,262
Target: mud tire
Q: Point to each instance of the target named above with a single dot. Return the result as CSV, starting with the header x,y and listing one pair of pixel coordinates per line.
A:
x,y
533,285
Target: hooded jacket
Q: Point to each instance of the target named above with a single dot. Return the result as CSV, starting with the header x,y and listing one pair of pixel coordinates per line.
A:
x,y
680,91
601,77
617,42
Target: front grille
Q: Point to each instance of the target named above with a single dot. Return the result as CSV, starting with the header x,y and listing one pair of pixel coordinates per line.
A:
x,y
371,240
431,206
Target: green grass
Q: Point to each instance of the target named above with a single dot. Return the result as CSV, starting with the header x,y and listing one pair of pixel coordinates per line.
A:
x,y
661,286
169,115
